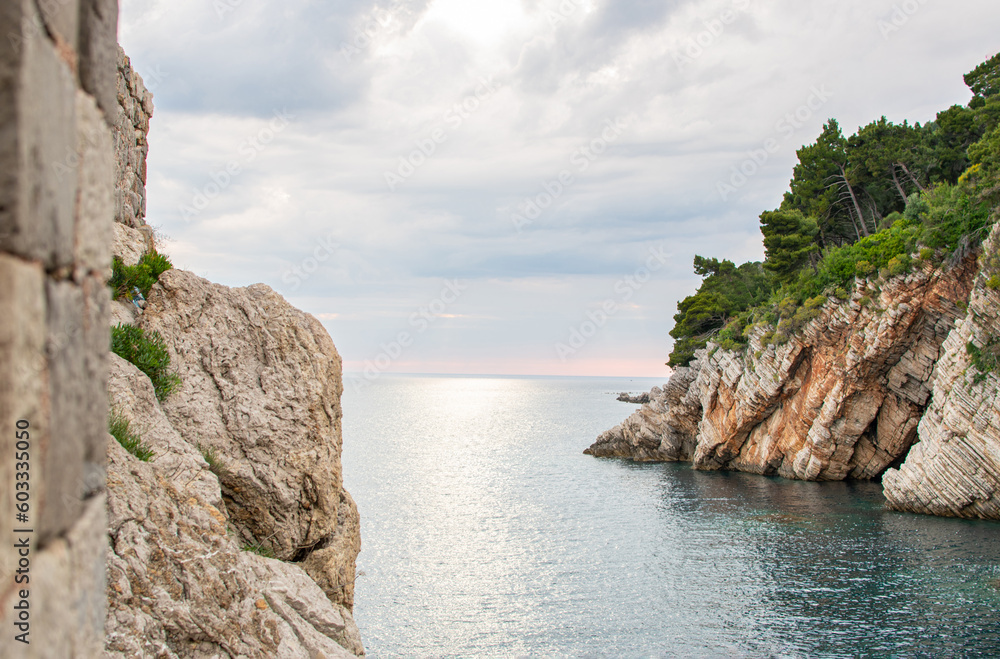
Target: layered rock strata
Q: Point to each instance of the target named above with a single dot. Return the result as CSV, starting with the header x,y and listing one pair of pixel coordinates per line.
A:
x,y
954,469
841,399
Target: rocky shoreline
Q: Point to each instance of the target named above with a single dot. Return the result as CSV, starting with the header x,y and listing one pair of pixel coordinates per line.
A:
x,y
881,386
638,399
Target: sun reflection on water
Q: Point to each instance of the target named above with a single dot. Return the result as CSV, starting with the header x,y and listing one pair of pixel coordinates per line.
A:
x,y
486,532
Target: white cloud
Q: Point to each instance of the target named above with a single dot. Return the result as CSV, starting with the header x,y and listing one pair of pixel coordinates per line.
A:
x,y
415,70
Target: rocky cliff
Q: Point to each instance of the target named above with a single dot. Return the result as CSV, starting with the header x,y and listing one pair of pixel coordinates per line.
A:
x,y
237,538
881,380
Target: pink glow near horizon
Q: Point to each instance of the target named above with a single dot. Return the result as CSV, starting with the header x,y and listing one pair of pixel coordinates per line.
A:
x,y
636,368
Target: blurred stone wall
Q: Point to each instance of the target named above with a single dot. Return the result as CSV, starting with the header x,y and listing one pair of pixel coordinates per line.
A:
x,y
58,104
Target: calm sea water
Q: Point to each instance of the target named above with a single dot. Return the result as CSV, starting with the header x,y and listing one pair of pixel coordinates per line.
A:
x,y
487,533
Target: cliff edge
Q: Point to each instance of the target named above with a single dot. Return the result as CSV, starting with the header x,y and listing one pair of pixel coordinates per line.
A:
x,y
882,380
236,537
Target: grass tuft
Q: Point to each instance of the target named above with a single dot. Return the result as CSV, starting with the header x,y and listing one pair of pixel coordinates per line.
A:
x,y
216,463
986,360
260,550
148,352
131,441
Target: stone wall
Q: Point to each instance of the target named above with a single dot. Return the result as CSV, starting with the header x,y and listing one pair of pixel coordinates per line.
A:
x,y
135,108
57,206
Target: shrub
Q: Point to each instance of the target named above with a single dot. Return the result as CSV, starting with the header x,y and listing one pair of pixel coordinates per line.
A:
x,y
121,429
899,265
951,218
986,359
148,352
142,275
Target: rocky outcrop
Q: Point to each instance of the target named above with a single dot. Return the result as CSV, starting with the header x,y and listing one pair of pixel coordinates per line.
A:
x,y
841,399
638,399
954,469
130,394
664,429
179,586
261,388
190,572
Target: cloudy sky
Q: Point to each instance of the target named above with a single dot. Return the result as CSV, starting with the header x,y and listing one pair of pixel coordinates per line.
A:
x,y
509,186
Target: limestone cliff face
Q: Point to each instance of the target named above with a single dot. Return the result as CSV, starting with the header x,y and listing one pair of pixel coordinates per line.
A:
x,y
844,398
180,580
954,469
187,574
261,386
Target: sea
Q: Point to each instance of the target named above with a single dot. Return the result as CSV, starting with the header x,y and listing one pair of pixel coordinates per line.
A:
x,y
486,532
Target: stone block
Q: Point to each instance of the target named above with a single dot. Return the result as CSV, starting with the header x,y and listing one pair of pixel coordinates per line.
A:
x,y
68,596
37,195
95,209
99,53
62,458
62,19
96,338
23,395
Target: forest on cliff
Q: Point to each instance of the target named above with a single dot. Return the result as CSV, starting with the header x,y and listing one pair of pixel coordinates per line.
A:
x,y
887,199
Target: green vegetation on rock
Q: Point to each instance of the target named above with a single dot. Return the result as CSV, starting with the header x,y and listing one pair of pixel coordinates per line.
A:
x,y
120,428
877,204
142,275
148,352
986,359
216,463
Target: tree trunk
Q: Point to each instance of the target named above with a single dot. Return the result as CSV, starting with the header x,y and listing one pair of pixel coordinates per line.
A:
x,y
912,177
899,188
857,207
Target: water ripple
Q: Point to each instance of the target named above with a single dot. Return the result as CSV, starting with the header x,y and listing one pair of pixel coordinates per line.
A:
x,y
486,533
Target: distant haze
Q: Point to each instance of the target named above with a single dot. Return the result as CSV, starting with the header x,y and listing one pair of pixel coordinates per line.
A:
x,y
494,186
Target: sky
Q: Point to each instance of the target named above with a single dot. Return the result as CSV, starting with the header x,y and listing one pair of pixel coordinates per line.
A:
x,y
509,186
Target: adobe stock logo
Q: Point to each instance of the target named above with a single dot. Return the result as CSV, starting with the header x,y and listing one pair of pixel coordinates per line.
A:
x,y
626,287
786,127
696,46
532,208
297,274
427,146
900,16
249,149
420,320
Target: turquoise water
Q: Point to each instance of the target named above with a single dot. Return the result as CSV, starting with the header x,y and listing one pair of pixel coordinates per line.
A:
x,y
487,533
